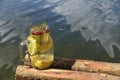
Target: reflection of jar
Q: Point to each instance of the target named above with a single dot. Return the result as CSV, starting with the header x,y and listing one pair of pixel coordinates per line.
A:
x,y
40,47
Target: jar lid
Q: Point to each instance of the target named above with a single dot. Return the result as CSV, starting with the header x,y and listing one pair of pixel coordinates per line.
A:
x,y
40,29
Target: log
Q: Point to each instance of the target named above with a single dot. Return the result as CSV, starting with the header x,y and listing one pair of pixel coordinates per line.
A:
x,y
86,65
27,73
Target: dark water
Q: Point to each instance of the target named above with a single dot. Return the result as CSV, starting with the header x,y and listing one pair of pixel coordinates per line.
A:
x,y
86,29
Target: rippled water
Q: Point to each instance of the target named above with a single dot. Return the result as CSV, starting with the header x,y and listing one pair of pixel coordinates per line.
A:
x,y
87,29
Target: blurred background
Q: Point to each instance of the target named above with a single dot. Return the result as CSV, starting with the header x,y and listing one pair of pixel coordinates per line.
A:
x,y
84,29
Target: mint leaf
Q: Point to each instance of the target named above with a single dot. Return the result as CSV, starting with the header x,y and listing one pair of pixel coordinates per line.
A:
x,y
43,24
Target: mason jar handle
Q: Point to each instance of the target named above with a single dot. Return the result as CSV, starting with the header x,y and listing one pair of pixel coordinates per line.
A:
x,y
21,45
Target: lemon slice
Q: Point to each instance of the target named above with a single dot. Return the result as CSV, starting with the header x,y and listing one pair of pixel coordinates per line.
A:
x,y
32,46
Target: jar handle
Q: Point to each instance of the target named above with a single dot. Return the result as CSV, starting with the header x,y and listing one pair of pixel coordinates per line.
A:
x,y
21,45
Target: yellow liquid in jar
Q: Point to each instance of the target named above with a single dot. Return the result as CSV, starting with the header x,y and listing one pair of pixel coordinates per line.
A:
x,y
41,50
37,47
42,61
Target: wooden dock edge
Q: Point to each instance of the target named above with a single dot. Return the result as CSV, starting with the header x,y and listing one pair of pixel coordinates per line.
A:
x,y
27,73
71,69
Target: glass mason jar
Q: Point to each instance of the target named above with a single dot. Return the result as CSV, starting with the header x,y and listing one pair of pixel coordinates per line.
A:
x,y
40,48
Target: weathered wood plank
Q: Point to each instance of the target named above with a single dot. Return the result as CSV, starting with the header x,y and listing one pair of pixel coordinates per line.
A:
x,y
27,73
86,65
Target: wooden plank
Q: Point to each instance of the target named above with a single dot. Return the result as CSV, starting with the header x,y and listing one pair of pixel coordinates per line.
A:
x,y
27,73
86,65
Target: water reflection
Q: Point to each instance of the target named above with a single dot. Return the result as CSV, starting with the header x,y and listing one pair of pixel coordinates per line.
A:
x,y
95,19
